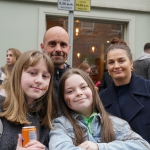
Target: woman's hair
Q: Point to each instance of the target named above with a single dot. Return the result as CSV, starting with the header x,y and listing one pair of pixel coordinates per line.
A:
x,y
107,133
117,43
15,106
15,55
84,66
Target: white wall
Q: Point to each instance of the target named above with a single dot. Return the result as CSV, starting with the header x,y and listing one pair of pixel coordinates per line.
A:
x,y
19,24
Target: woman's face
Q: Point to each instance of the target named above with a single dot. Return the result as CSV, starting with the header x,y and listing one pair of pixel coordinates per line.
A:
x,y
119,66
78,95
9,58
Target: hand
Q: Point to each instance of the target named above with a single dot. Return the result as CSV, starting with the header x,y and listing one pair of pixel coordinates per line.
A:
x,y
88,145
33,145
96,88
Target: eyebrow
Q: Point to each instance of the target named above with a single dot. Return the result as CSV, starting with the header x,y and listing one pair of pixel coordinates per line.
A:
x,y
79,84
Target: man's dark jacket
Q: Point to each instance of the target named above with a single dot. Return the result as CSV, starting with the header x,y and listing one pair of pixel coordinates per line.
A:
x,y
57,75
142,68
136,108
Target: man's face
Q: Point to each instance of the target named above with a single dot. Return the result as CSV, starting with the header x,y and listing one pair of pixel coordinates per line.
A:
x,y
56,45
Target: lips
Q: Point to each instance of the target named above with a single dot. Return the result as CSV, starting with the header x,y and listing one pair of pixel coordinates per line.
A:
x,y
118,71
79,99
36,88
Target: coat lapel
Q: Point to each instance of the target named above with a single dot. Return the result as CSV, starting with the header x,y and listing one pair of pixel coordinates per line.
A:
x,y
110,101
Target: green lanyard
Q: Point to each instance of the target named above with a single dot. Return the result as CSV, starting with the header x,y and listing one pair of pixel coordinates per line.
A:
x,y
89,120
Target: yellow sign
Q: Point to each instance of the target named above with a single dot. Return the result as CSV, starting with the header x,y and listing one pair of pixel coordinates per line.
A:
x,y
83,5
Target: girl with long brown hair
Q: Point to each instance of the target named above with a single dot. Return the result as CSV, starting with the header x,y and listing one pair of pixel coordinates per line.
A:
x,y
84,123
27,99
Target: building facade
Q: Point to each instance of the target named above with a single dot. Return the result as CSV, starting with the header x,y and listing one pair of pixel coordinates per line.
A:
x,y
24,22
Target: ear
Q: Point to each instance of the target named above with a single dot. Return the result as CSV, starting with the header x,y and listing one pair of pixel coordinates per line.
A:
x,y
42,47
131,64
69,48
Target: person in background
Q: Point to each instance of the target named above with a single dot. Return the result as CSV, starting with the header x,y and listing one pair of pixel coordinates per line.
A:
x,y
142,64
56,46
12,55
27,99
106,81
129,95
85,67
85,125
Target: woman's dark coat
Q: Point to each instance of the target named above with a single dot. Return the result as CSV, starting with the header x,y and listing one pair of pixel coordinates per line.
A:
x,y
136,108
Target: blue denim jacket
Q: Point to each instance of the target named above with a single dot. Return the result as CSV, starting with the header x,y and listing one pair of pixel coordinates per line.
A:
x,y
62,137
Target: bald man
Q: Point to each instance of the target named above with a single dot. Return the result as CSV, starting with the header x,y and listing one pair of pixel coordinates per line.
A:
x,y
56,45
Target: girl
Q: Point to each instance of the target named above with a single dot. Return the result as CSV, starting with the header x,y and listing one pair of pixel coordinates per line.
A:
x,y
129,95
12,55
85,125
27,100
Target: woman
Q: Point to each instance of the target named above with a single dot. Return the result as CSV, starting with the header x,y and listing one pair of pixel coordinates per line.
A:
x,y
27,100
85,125
129,95
12,55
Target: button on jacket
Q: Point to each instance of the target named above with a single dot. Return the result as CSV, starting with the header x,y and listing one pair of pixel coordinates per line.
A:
x,y
62,137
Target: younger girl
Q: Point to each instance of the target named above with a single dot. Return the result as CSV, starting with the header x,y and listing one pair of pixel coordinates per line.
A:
x,y
85,125
27,100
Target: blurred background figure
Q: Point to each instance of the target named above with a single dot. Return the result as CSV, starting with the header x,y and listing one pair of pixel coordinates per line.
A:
x,y
85,67
12,55
141,66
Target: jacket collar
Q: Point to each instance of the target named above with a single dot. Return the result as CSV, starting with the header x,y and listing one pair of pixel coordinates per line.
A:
x,y
140,84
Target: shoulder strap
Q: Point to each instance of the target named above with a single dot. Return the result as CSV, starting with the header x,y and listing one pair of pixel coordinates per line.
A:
x,y
1,128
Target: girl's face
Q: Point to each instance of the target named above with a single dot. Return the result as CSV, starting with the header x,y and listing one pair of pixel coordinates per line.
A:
x,y
35,81
9,58
78,95
119,66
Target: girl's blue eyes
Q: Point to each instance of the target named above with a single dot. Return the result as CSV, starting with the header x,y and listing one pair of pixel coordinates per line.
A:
x,y
34,73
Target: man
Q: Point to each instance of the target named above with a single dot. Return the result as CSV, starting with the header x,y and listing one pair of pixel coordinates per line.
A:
x,y
142,64
56,45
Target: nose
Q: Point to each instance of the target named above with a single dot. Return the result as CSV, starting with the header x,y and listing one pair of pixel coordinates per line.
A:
x,y
38,79
79,92
58,47
116,65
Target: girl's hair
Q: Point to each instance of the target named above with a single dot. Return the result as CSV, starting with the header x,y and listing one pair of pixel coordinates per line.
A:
x,y
15,107
107,133
84,66
117,43
15,55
